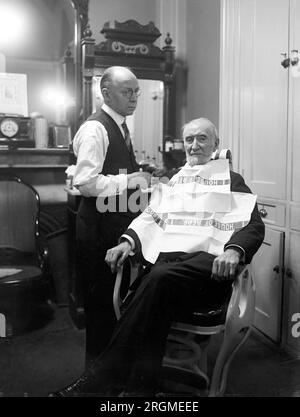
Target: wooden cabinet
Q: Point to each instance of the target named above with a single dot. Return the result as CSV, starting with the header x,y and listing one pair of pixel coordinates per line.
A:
x,y
267,270
264,96
292,290
260,123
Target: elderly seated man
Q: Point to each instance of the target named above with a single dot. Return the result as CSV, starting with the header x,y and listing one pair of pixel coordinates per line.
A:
x,y
196,230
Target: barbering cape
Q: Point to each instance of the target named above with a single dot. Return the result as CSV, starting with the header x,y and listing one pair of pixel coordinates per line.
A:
x,y
195,211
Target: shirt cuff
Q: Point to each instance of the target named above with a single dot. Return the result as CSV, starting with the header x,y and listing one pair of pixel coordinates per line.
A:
x,y
130,240
239,249
122,182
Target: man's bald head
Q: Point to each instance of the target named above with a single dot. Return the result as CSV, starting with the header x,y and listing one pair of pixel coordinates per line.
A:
x,y
120,89
115,75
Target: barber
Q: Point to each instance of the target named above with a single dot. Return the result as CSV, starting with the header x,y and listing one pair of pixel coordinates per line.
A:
x,y
106,173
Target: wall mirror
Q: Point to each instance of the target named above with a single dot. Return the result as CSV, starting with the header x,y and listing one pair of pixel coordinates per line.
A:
x,y
146,124
132,45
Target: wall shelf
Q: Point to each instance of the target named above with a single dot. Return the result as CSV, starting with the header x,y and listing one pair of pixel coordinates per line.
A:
x,y
32,158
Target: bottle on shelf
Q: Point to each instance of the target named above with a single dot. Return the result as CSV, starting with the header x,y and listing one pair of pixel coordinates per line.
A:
x,y
143,162
169,145
152,165
160,162
153,162
178,144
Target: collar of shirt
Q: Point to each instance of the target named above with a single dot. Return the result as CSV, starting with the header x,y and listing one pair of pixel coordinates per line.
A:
x,y
115,116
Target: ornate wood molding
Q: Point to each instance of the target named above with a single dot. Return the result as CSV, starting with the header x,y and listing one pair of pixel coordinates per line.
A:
x,y
130,37
81,27
130,43
131,30
82,9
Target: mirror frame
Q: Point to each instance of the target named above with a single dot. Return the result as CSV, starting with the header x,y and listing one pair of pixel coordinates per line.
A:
x,y
127,44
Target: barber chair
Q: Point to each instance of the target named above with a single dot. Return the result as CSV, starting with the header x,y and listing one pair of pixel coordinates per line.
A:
x,y
229,319
223,154
186,356
24,282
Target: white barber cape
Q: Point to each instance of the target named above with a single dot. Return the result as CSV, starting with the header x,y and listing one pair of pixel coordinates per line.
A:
x,y
194,211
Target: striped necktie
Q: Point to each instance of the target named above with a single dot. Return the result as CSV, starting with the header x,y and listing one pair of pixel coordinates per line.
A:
x,y
127,134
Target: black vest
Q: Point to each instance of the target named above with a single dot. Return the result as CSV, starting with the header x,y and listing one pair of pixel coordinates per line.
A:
x,y
118,157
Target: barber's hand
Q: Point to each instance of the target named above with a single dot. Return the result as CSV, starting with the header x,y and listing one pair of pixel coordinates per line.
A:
x,y
225,265
139,179
116,256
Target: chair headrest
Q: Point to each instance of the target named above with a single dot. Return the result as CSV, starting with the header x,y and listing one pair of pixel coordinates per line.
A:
x,y
223,154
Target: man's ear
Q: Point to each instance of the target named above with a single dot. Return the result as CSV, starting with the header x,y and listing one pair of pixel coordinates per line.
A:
x,y
105,92
217,142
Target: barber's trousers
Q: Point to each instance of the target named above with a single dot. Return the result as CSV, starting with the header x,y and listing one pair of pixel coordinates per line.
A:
x,y
132,360
95,234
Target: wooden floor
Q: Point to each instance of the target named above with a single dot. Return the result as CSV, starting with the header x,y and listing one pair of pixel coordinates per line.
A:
x,y
51,357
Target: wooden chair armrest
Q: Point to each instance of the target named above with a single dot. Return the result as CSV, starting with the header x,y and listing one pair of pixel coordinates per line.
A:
x,y
134,270
241,304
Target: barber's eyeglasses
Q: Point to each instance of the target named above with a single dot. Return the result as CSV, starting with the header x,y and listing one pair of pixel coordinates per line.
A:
x,y
128,92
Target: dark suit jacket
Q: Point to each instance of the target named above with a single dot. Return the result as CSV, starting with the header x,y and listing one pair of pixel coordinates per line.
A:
x,y
249,238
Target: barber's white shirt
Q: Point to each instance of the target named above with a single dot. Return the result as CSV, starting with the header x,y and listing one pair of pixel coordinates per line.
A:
x,y
90,146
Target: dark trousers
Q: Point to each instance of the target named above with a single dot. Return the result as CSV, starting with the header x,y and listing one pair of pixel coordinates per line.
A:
x,y
172,287
96,233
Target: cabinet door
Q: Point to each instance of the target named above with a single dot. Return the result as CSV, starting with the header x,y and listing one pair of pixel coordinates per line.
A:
x,y
267,274
292,286
264,34
292,276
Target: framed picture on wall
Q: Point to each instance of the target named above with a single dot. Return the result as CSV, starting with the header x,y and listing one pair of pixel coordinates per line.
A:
x,y
61,136
13,94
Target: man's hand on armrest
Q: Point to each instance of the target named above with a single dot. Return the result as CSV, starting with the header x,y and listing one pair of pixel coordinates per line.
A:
x,y
225,265
116,256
